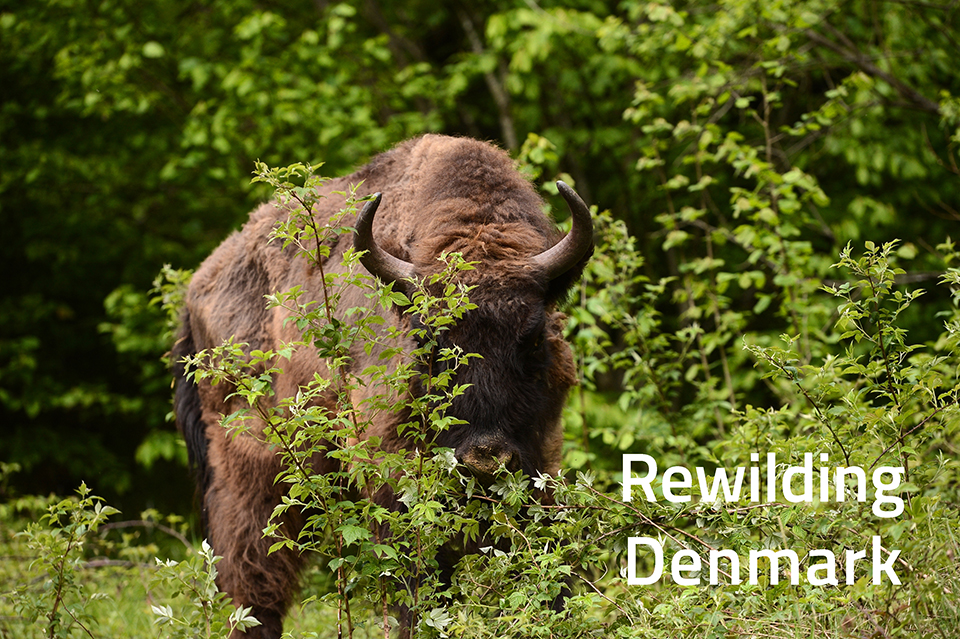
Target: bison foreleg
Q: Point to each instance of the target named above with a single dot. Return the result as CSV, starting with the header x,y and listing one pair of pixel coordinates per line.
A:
x,y
239,501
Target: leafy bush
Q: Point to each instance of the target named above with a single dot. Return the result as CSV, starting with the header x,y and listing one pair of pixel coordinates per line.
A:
x,y
711,389
872,399
857,394
57,541
207,611
740,146
76,575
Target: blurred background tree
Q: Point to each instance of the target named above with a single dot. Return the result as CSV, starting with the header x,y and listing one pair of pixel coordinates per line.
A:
x,y
129,131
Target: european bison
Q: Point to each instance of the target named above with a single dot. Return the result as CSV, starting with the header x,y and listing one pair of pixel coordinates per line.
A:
x,y
437,194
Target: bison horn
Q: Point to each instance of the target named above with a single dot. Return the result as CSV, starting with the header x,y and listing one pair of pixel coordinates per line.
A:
x,y
567,252
380,263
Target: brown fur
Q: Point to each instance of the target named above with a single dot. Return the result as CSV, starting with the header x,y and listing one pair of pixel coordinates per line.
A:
x,y
439,194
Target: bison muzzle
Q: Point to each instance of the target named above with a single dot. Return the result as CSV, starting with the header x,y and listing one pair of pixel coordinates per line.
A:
x,y
436,194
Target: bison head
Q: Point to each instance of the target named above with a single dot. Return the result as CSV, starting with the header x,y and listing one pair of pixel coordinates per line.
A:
x,y
519,383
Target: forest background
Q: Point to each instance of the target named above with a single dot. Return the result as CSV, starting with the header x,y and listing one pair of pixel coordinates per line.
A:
x,y
738,148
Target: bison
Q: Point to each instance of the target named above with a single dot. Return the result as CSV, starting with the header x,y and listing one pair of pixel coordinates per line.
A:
x,y
436,194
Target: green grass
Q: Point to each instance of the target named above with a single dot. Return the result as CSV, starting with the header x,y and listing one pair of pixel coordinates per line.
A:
x,y
120,590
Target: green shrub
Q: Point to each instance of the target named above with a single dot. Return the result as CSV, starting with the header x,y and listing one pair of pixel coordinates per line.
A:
x,y
855,389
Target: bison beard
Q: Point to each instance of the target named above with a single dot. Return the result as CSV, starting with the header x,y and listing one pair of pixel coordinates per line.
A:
x,y
436,194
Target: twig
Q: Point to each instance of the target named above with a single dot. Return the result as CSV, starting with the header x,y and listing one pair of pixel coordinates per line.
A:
x,y
143,523
659,526
495,85
608,599
823,419
112,563
851,54
903,436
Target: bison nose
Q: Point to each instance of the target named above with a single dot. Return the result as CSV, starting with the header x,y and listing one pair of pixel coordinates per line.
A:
x,y
484,460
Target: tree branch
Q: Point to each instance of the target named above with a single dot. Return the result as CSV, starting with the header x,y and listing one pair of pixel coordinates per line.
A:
x,y
403,48
500,95
849,52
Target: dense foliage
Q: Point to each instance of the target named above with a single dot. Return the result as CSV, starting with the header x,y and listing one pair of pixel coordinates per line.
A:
x,y
129,132
776,184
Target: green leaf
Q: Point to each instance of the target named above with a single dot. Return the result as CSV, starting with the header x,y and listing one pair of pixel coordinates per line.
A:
x,y
153,49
